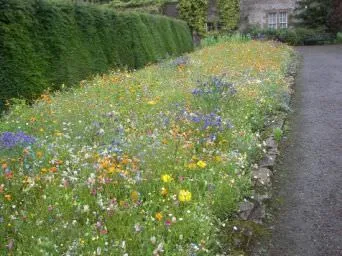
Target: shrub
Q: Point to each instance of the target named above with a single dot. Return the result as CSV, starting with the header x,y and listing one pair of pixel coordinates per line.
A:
x,y
194,12
297,36
214,38
47,44
229,14
339,37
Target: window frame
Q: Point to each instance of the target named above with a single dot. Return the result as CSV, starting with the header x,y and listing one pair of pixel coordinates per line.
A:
x,y
283,19
272,19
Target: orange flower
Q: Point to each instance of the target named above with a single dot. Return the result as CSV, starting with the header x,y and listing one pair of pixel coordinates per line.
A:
x,y
53,169
9,175
4,166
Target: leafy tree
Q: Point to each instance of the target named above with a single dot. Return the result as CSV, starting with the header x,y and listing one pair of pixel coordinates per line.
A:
x,y
229,12
335,19
194,12
313,13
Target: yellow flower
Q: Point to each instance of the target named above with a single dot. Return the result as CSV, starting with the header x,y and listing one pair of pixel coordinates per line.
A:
x,y
111,169
159,216
8,197
166,178
152,102
184,196
163,191
192,166
135,196
201,164
218,159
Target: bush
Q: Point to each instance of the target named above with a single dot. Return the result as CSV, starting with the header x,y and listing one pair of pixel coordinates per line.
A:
x,y
215,38
45,44
297,36
339,38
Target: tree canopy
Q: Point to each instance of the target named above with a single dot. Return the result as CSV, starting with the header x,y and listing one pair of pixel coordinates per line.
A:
x,y
320,14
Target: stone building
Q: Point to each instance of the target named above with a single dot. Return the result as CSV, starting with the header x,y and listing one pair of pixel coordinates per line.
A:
x,y
274,14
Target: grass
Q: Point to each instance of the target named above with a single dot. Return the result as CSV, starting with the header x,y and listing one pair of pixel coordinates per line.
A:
x,y
152,162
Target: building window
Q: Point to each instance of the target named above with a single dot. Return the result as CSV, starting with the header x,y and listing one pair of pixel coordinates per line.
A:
x,y
210,26
282,19
272,20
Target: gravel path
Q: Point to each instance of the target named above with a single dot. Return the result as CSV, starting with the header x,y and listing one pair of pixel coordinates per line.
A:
x,y
309,221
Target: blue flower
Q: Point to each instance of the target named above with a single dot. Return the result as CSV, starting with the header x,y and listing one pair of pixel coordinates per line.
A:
x,y
10,139
214,86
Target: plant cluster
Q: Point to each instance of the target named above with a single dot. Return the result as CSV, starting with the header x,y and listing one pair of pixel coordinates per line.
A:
x,y
335,18
150,162
293,36
229,13
322,14
194,12
47,44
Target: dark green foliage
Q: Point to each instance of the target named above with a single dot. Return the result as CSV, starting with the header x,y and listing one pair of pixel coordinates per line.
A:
x,y
194,12
297,36
335,19
313,13
229,14
45,44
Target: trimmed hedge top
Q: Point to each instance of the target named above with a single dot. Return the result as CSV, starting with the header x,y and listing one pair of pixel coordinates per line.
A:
x,y
44,45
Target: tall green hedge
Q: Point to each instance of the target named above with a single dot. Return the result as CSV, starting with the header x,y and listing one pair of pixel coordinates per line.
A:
x,y
44,44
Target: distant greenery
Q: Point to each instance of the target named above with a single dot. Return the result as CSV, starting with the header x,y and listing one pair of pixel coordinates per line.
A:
x,y
335,19
47,44
320,14
220,38
339,37
293,36
229,13
194,12
313,14
149,6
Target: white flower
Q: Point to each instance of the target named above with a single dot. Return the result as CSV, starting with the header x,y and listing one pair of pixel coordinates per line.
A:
x,y
98,251
153,239
86,208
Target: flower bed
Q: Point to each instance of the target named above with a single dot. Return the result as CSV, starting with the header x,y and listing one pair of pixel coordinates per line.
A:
x,y
152,162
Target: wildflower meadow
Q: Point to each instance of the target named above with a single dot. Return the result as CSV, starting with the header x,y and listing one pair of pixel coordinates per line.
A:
x,y
150,162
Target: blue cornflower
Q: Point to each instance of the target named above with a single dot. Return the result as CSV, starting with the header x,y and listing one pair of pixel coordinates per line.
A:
x,y
11,139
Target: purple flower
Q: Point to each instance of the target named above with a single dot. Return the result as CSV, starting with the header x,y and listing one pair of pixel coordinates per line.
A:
x,y
214,86
10,139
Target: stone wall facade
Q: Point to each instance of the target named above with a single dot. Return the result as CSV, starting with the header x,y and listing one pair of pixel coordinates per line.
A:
x,y
253,12
256,12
